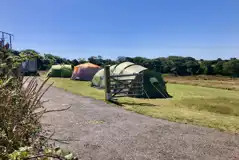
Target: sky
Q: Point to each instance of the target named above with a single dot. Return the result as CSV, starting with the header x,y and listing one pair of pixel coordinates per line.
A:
x,y
203,29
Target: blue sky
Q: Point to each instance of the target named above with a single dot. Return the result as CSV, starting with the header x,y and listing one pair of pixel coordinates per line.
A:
x,y
205,29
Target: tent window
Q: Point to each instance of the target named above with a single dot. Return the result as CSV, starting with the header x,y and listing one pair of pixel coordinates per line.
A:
x,y
154,81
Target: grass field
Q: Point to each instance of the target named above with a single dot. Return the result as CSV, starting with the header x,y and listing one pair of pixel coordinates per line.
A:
x,y
216,108
205,81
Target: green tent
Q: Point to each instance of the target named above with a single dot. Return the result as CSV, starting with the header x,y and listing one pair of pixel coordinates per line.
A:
x,y
154,85
60,70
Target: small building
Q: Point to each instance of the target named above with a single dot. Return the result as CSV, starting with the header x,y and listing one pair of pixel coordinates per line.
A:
x,y
29,67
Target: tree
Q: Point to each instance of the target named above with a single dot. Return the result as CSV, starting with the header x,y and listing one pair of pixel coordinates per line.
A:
x,y
231,68
109,62
206,68
192,67
75,62
157,65
165,65
96,60
218,68
178,66
121,59
139,60
173,64
82,60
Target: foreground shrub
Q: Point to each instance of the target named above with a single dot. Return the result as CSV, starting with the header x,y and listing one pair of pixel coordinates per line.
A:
x,y
21,134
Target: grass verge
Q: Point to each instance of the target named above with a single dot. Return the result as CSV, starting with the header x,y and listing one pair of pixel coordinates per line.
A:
x,y
215,108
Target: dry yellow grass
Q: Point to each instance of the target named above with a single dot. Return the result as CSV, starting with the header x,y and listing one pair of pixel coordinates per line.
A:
x,y
205,81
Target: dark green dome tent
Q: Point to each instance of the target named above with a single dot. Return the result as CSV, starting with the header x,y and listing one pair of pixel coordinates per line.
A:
x,y
154,85
60,70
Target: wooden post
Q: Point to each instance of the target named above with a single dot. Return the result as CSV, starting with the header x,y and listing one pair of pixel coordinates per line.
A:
x,y
10,41
107,83
3,39
61,69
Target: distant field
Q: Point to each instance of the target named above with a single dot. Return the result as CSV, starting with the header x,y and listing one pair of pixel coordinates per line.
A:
x,y
216,108
205,81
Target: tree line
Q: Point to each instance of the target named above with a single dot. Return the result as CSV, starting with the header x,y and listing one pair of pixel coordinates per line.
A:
x,y
177,65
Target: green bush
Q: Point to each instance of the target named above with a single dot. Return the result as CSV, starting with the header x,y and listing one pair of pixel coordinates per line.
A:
x,y
20,111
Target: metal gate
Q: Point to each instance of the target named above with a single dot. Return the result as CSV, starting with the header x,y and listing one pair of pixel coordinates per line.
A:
x,y
127,85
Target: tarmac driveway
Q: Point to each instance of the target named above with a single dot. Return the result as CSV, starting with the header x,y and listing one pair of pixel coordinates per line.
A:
x,y
95,130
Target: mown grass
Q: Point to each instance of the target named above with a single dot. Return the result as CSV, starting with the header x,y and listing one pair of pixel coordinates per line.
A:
x,y
221,82
216,108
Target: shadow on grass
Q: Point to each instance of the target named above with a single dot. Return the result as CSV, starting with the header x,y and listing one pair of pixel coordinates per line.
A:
x,y
131,103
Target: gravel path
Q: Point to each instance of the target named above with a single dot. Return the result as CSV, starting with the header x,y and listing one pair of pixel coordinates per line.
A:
x,y
95,130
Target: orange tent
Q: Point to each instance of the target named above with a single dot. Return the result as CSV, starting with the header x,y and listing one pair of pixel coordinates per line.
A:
x,y
85,71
